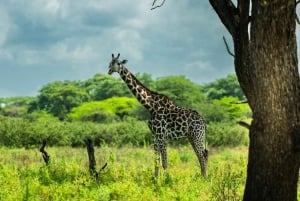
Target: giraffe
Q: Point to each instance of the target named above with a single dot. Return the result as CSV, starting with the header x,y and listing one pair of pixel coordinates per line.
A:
x,y
167,121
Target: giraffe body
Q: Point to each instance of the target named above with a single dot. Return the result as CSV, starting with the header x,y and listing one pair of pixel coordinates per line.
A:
x,y
168,121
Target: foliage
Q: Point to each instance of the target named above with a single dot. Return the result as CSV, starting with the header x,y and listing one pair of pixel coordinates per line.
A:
x,y
146,79
58,98
14,111
103,108
226,134
41,115
20,132
213,112
15,106
228,86
180,90
233,107
102,86
231,177
128,176
17,100
104,111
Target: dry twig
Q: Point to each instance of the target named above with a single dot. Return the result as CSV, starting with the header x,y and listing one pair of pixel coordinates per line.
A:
x,y
157,6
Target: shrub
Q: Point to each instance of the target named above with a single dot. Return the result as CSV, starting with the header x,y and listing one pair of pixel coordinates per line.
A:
x,y
104,111
226,134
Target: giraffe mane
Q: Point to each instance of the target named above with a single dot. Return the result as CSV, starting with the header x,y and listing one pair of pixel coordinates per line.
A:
x,y
153,92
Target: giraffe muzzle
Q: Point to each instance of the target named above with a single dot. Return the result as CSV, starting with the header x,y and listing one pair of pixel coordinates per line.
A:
x,y
110,71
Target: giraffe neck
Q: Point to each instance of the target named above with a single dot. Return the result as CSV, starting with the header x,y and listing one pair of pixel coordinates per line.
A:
x,y
151,100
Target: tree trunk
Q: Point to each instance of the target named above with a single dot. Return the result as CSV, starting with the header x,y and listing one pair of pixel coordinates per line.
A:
x,y
91,154
267,69
274,134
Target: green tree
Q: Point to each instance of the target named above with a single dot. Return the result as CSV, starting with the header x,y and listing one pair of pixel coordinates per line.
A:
x,y
233,108
15,106
104,111
180,90
146,79
228,86
58,98
102,86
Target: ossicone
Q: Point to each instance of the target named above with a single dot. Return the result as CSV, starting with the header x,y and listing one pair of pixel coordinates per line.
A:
x,y
113,56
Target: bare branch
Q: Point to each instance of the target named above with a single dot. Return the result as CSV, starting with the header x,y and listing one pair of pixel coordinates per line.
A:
x,y
240,102
297,19
244,124
228,14
227,47
157,6
296,16
103,167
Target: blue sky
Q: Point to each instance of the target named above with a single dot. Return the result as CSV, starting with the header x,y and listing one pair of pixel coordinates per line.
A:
x,y
47,40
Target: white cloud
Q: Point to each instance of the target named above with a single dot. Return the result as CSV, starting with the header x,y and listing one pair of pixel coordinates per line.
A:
x,y
68,52
74,39
5,25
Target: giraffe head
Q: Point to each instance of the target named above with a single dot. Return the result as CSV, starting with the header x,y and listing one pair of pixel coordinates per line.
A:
x,y
115,64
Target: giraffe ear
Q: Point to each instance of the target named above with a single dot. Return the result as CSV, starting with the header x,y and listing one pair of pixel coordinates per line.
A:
x,y
124,61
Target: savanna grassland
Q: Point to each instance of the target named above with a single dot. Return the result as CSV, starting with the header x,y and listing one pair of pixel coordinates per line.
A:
x,y
128,175
67,113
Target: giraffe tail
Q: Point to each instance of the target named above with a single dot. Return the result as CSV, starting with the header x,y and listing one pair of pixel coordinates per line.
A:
x,y
205,151
205,154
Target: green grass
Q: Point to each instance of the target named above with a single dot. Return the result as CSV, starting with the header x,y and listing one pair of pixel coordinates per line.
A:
x,y
128,175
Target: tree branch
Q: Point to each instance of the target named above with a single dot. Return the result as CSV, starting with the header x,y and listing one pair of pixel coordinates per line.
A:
x,y
227,47
157,6
244,124
244,20
243,7
297,18
228,14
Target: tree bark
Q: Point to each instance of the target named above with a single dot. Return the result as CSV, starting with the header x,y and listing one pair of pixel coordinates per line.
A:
x,y
91,154
267,69
45,154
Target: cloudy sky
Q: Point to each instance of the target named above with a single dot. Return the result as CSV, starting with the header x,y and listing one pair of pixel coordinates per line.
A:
x,y
47,40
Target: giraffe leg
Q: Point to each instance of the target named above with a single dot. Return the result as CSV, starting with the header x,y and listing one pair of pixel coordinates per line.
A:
x,y
201,154
164,159
156,159
156,149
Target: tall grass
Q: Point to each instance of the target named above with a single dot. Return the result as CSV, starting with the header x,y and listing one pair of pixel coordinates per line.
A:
x,y
128,175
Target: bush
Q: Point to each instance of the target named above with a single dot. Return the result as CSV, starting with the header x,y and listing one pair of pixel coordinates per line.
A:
x,y
226,134
126,132
19,132
228,183
104,111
